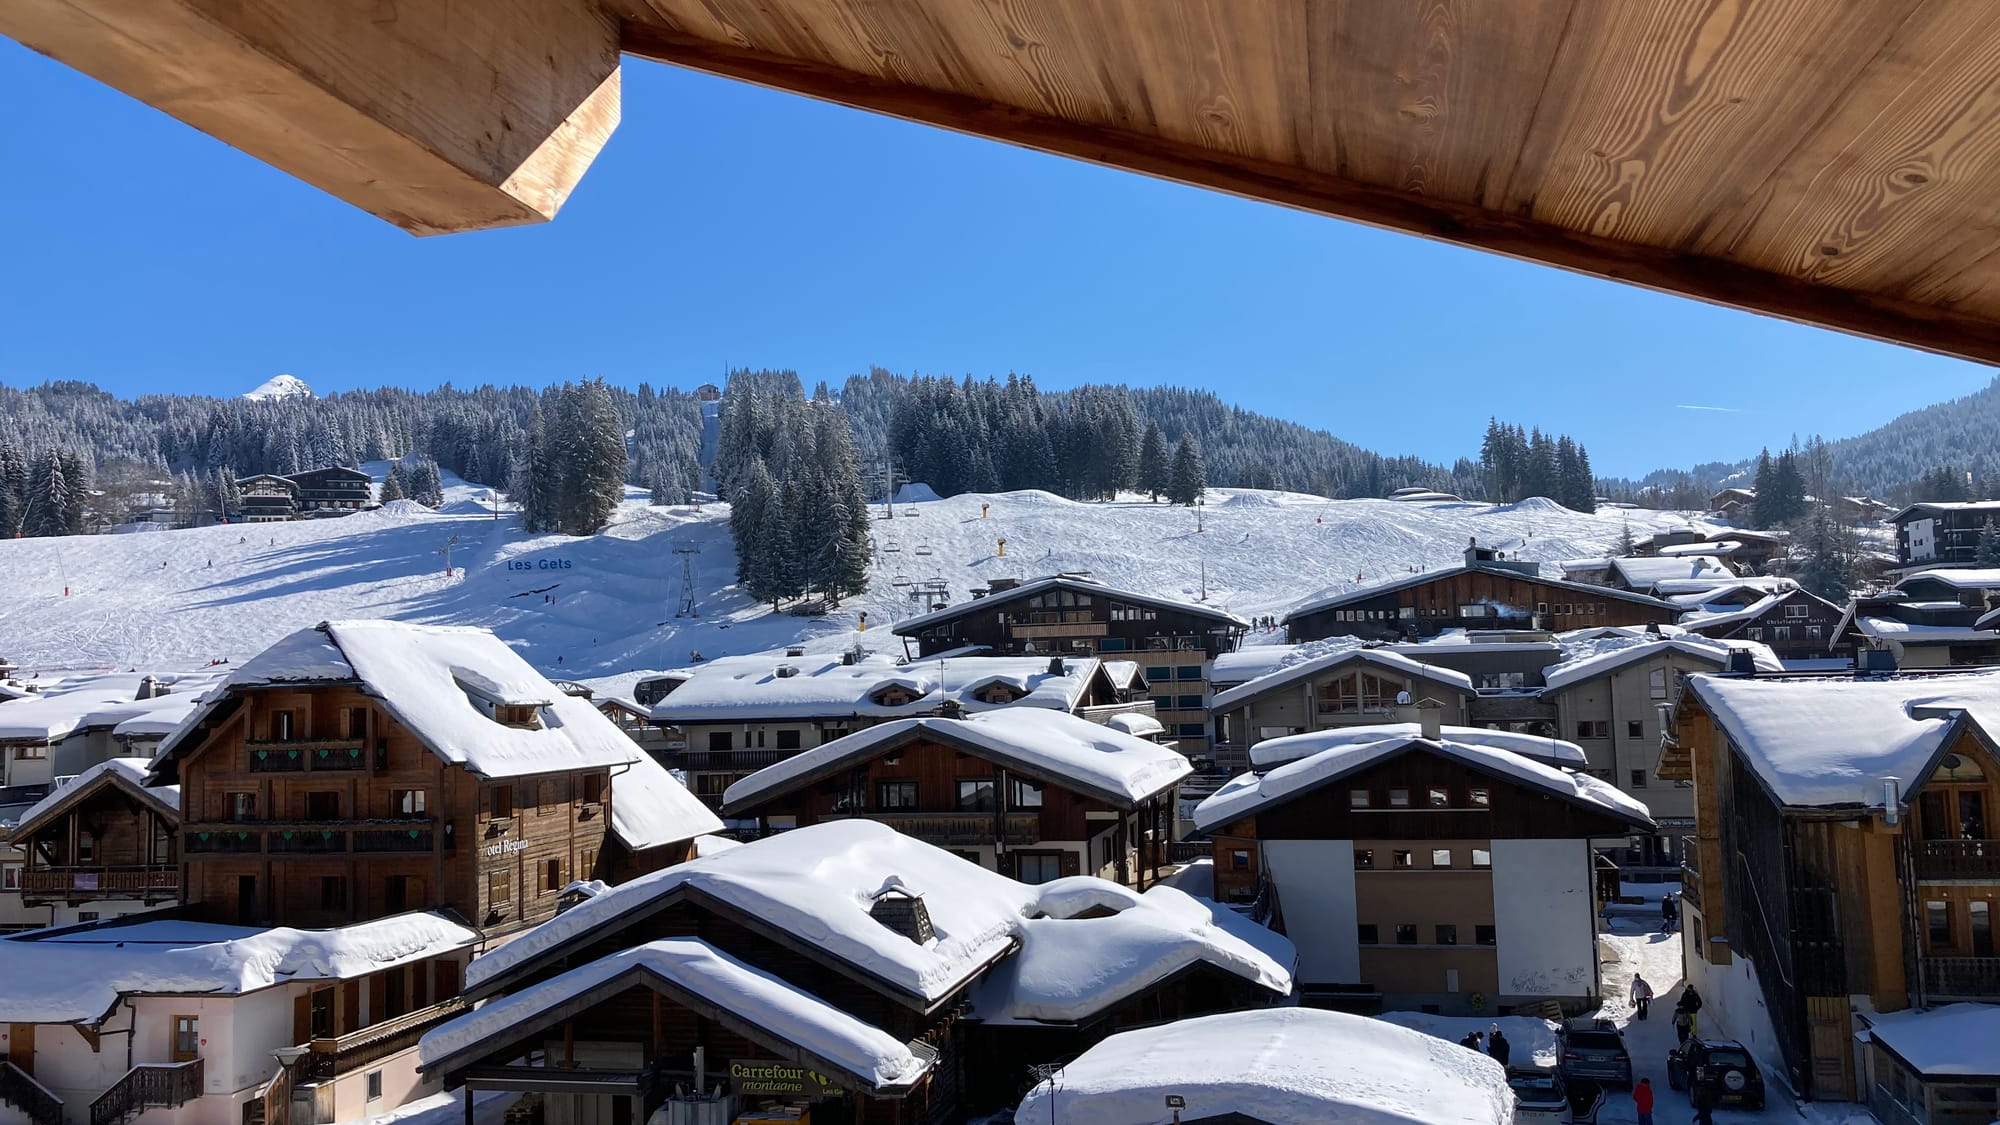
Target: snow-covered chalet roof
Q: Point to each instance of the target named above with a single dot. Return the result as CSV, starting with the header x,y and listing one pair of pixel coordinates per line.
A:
x,y
1828,743
910,626
751,688
1274,752
1898,631
1647,573
126,773
1122,673
1138,724
440,682
1952,1041
90,703
1941,507
1247,663
1704,593
1052,746
782,1018
650,808
1573,672
75,975
1958,577
1341,756
1379,657
1364,593
1283,1066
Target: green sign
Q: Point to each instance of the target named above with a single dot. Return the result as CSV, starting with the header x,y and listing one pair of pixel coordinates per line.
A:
x,y
770,1079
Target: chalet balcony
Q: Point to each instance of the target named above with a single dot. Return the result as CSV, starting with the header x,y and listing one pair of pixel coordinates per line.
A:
x,y
1059,631
415,835
148,1086
1977,860
1690,872
78,884
947,829
731,761
334,1056
1962,978
297,755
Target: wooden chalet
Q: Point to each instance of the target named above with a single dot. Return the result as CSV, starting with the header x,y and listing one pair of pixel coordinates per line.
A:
x,y
333,489
366,768
268,498
837,967
1072,614
1941,618
1033,794
1491,591
1358,687
1942,533
1844,859
1793,622
102,845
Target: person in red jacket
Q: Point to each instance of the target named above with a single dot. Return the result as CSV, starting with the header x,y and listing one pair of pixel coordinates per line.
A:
x,y
1642,1100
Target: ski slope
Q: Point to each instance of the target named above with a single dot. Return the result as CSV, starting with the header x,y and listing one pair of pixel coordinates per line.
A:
x,y
602,605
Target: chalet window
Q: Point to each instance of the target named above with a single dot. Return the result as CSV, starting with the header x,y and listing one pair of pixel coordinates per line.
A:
x,y
86,916
1023,794
720,741
1155,673
1982,928
1541,607
1037,867
1403,859
1440,857
757,736
1479,797
1440,797
333,892
514,714
411,802
1756,633
280,725
1399,798
1781,632
500,801
1163,703
356,723
1562,609
374,1085
30,753
1479,609
593,789
975,795
1656,683
1188,702
1368,933
499,887
1364,859
1593,728
1191,730
1239,860
1482,858
1188,672
1447,934
789,739
1406,933
396,894
322,805
1635,728
1792,611
1639,779
1937,924
552,879
86,847
1357,798
242,806
893,795
322,1013
1484,935
586,864
10,877
187,1037
1815,633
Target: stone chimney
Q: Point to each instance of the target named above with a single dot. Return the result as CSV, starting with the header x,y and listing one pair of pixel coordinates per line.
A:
x,y
1430,719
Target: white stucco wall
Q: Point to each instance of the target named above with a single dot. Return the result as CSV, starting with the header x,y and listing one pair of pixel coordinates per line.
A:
x,y
1315,881
1732,1007
1544,922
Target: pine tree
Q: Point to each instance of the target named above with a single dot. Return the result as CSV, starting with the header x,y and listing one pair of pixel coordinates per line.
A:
x,y
392,485
48,497
1153,469
772,575
1824,567
660,496
76,497
13,489
1188,479
596,465
1626,545
746,524
1988,555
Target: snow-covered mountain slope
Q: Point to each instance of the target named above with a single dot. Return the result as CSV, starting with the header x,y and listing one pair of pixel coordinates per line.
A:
x,y
605,604
280,386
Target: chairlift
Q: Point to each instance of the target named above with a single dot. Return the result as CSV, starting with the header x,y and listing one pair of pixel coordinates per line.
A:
x,y
891,547
900,580
912,511
925,549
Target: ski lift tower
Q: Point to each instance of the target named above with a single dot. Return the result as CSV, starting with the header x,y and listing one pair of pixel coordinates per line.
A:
x,y
446,552
687,607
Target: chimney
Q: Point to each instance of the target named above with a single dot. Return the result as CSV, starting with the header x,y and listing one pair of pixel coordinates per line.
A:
x,y
149,688
849,657
951,708
796,650
1430,719
786,671
1742,662
995,585
1056,666
1892,801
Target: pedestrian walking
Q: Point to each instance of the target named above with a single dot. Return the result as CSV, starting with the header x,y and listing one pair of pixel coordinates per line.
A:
x,y
1498,1047
1683,1024
1702,1096
1642,1100
1642,995
1669,914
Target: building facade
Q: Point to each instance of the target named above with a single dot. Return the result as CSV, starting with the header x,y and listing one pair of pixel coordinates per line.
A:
x,y
102,845
1942,533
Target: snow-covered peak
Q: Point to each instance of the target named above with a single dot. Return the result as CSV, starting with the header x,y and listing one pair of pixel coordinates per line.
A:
x,y
280,386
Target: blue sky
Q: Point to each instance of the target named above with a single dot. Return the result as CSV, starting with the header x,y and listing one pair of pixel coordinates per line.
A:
x,y
730,226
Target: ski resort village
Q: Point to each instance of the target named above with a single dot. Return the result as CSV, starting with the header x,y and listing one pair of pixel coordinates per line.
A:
x,y
882,748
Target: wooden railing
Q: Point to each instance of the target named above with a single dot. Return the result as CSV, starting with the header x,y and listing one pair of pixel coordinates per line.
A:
x,y
343,1054
148,1086
958,828
1187,851
1691,871
1958,859
1962,978
312,837
731,760
19,1089
138,881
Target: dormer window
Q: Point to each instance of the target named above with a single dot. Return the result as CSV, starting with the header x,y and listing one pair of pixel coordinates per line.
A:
x,y
893,696
998,693
517,715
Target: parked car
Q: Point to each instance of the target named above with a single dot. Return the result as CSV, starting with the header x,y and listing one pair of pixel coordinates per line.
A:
x,y
1722,1063
1543,1097
1595,1049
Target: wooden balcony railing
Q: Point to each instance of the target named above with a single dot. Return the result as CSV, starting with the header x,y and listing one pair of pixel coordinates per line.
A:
x,y
344,1054
161,880
1691,872
958,828
311,837
1958,859
19,1089
148,1086
730,761
293,755
1962,978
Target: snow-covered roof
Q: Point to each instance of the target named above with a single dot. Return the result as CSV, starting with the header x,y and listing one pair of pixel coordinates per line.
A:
x,y
1248,793
1573,672
1989,621
1138,724
127,772
75,975
1728,617
1647,573
1282,1066
1706,547
1941,507
441,683
1247,663
1904,633
1532,1041
650,808
1122,673
64,709
818,883
1364,593
769,1009
1052,745
1075,961
1952,1041
911,625
1381,658
751,688
1823,743
1958,577
1705,593
1273,752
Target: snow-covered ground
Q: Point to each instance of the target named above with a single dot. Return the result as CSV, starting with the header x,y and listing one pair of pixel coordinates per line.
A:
x,y
603,605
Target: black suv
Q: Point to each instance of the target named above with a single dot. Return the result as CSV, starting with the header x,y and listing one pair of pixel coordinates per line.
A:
x,y
1723,1065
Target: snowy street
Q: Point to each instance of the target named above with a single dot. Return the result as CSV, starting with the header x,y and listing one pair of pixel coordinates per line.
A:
x,y
1631,947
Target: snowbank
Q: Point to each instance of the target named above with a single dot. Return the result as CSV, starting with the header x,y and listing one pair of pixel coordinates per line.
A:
x,y
1282,1066
1532,1041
